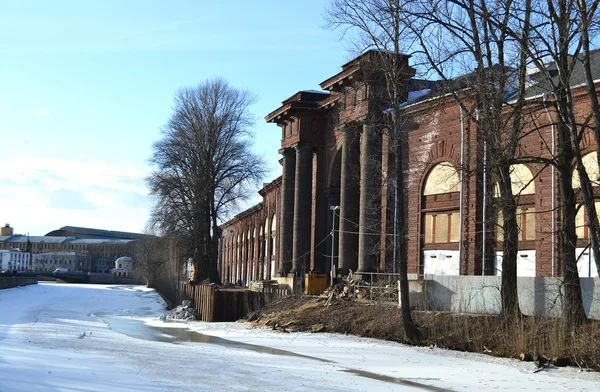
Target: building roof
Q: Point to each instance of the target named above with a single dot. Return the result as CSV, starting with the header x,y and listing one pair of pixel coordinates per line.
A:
x,y
19,238
86,232
537,84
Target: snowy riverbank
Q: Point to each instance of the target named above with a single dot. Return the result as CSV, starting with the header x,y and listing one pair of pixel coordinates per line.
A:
x,y
57,337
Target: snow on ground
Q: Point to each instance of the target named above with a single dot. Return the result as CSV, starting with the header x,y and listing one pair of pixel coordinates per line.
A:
x,y
69,337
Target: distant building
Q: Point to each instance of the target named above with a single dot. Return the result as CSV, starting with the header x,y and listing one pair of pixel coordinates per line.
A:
x,y
71,261
15,260
6,230
123,267
101,247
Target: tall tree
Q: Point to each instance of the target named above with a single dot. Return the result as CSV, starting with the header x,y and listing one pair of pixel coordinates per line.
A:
x,y
465,38
204,167
559,46
151,257
377,24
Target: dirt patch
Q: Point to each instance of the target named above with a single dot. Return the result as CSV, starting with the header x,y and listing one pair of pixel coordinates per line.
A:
x,y
536,339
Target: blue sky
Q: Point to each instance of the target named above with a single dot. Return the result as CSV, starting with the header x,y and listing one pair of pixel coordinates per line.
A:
x,y
85,87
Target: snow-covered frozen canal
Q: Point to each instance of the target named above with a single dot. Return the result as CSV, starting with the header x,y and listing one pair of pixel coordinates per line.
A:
x,y
68,337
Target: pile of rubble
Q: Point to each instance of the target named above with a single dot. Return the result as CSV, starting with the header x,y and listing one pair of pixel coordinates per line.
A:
x,y
183,312
343,289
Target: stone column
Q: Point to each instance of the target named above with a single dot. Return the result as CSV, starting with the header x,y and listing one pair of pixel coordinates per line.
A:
x,y
302,209
349,196
370,199
286,235
267,253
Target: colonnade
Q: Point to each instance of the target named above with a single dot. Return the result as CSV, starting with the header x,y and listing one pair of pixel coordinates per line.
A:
x,y
360,203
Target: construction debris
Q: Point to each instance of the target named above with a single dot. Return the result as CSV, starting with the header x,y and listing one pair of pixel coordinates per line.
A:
x,y
343,289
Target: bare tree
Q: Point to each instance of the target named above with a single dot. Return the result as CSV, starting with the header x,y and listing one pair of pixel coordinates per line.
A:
x,y
204,168
465,37
151,256
559,46
377,24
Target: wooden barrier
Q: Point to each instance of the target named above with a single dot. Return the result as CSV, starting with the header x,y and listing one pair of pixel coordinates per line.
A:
x,y
214,303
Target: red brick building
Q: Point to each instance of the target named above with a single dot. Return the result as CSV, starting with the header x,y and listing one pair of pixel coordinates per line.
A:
x,y
335,161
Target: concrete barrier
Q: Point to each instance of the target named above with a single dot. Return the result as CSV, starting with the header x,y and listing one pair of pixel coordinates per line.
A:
x,y
16,281
481,294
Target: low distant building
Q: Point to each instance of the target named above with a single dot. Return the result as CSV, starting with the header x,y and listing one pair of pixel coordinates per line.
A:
x,y
71,261
101,246
15,260
123,267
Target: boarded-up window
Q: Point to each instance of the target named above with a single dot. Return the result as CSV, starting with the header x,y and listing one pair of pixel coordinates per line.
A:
x,y
500,227
455,227
530,224
441,228
581,220
580,223
428,229
520,222
526,223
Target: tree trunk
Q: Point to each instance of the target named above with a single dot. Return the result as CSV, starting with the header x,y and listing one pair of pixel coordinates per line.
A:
x,y
508,289
572,306
411,333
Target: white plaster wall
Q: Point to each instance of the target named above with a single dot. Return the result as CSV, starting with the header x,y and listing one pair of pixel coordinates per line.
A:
x,y
441,262
585,263
481,294
525,263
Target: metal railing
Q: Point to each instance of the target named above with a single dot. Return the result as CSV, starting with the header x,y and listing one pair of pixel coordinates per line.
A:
x,y
376,286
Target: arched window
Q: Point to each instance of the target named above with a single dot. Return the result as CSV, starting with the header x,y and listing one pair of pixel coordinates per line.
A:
x,y
441,205
443,178
590,163
523,187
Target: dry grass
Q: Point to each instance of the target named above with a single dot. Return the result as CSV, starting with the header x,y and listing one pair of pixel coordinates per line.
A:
x,y
476,333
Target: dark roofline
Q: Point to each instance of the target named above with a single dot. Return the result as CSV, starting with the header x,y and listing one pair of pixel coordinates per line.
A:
x,y
87,232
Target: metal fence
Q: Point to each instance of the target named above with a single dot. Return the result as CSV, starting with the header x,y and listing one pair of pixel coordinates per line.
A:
x,y
376,286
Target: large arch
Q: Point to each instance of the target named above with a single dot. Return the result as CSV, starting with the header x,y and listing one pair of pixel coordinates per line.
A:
x,y
440,217
274,249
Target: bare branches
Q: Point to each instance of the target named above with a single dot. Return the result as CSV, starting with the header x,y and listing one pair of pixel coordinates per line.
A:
x,y
204,167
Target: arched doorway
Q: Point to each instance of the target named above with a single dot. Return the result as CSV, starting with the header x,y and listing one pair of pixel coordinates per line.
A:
x,y
273,239
440,217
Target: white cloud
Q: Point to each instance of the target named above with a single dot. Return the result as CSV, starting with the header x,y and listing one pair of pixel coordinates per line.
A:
x,y
42,193
43,112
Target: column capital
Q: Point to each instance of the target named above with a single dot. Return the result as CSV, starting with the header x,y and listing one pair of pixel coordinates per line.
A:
x,y
300,146
286,151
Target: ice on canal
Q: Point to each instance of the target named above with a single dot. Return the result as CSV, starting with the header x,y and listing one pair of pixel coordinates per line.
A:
x,y
69,337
